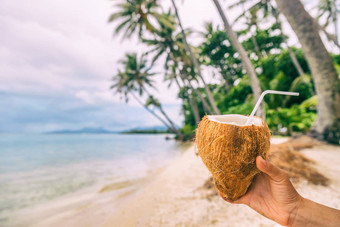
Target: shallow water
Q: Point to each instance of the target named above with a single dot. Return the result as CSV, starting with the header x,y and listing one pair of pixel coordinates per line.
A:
x,y
35,169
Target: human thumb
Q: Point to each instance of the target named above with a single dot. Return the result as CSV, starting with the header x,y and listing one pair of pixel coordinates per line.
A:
x,y
272,171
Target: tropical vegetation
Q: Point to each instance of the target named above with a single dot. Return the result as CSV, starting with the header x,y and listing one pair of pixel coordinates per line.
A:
x,y
241,62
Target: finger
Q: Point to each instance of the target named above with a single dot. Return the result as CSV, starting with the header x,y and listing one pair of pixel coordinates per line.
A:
x,y
272,171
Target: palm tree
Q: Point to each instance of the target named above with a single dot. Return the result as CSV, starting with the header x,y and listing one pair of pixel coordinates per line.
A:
x,y
121,86
267,9
152,101
136,77
255,84
166,42
195,62
324,74
135,15
171,75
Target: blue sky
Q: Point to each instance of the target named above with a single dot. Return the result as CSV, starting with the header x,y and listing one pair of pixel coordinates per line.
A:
x,y
57,59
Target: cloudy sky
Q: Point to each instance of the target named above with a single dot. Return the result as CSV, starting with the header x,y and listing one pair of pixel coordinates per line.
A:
x,y
57,59
56,62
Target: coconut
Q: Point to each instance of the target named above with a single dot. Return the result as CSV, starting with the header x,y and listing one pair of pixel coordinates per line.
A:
x,y
229,149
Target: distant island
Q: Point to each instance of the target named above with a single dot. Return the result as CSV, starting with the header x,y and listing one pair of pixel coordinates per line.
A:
x,y
84,131
149,130
144,131
99,130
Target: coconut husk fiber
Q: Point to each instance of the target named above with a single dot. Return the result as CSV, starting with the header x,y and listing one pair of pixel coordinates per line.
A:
x,y
229,151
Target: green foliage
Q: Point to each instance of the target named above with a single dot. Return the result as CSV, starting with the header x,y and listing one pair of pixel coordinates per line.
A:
x,y
284,63
145,131
135,16
295,118
159,31
152,101
302,84
244,108
279,73
188,132
188,129
310,104
236,96
264,41
217,51
134,76
336,59
275,63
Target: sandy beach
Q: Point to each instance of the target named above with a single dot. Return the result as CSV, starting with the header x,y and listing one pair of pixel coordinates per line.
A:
x,y
176,196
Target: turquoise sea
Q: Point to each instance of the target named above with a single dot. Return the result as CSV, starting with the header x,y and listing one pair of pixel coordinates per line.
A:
x,y
37,168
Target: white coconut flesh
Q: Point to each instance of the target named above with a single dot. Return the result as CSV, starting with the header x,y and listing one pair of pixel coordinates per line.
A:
x,y
234,119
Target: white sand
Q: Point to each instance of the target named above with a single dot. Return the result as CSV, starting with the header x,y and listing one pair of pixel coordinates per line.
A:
x,y
176,198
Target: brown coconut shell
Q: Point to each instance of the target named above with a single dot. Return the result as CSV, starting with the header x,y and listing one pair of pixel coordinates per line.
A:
x,y
229,151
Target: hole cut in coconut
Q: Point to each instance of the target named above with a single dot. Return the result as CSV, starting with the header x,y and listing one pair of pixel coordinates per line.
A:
x,y
234,119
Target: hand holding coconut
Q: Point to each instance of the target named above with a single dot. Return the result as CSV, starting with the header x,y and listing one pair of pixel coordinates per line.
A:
x,y
272,194
234,148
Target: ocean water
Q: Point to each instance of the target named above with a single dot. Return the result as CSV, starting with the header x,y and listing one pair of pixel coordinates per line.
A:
x,y
35,169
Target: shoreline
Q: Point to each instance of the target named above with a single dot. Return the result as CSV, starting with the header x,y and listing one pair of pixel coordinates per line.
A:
x,y
175,195
89,206
63,180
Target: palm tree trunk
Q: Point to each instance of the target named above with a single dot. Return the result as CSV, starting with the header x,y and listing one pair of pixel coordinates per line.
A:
x,y
324,74
171,123
256,46
191,99
254,82
253,39
200,96
206,107
290,51
228,83
194,108
173,126
195,63
192,104
295,61
151,111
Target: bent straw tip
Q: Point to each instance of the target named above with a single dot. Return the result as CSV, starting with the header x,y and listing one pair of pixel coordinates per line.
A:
x,y
250,118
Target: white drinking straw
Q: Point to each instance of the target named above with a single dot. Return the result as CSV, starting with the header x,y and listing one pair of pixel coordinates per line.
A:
x,y
250,118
